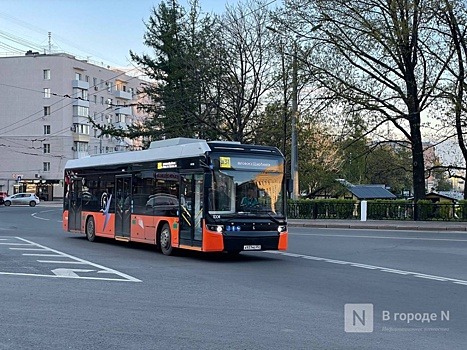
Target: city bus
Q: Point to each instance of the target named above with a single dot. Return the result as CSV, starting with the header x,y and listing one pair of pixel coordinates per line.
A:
x,y
208,196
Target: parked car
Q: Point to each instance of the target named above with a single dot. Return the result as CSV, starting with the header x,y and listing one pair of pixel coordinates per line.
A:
x,y
2,197
22,198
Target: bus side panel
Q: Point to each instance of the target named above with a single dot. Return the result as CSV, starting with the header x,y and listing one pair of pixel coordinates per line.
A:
x,y
212,241
283,241
104,223
143,228
65,220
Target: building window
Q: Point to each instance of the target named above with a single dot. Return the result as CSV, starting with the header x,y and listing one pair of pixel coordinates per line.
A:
x,y
102,100
46,147
46,74
82,129
109,86
80,111
46,129
80,93
46,92
46,166
81,146
87,78
46,111
77,76
95,98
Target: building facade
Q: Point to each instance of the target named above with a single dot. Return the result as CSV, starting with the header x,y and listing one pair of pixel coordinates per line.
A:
x,y
46,102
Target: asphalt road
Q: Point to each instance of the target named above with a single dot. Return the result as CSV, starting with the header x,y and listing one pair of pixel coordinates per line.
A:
x,y
60,291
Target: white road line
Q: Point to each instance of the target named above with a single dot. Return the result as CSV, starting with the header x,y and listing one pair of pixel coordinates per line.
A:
x,y
380,237
61,262
38,217
79,277
51,255
30,249
373,267
99,267
23,244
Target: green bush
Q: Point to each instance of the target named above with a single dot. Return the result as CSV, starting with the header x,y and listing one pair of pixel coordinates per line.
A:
x,y
389,209
322,209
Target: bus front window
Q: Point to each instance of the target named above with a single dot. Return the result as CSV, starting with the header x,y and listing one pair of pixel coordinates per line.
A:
x,y
242,192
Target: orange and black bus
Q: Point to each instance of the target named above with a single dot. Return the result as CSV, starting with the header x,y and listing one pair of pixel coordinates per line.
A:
x,y
181,193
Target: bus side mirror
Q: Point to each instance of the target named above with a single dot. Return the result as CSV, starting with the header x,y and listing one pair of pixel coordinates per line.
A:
x,y
215,164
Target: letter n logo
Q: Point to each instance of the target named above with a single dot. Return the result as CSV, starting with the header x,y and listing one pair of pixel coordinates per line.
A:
x,y
358,318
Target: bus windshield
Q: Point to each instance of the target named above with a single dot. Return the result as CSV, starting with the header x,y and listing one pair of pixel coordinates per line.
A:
x,y
248,191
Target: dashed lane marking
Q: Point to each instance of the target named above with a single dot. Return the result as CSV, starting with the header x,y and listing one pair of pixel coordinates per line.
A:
x,y
373,267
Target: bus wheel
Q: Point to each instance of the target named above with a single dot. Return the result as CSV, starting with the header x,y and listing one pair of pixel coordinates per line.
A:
x,y
165,240
90,229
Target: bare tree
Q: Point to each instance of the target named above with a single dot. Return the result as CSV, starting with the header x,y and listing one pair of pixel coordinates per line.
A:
x,y
372,56
245,77
452,17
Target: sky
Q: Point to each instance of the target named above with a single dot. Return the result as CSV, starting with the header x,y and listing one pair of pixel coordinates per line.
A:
x,y
103,31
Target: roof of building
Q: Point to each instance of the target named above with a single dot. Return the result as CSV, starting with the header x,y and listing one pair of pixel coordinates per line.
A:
x,y
371,192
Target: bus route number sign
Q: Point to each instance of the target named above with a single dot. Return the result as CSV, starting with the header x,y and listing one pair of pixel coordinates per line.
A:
x,y
224,162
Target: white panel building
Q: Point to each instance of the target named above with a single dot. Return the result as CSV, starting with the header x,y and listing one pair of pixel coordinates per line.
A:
x,y
45,101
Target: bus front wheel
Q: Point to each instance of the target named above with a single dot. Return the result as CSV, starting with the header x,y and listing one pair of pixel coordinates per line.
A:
x,y
90,229
165,240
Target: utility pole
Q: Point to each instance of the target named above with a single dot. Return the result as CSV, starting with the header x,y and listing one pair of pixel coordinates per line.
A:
x,y
294,153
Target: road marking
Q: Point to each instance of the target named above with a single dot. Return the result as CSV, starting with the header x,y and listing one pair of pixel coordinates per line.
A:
x,y
35,215
380,237
30,249
51,255
69,272
70,259
61,262
372,267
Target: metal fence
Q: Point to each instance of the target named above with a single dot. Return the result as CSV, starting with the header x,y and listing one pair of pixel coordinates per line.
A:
x,y
377,210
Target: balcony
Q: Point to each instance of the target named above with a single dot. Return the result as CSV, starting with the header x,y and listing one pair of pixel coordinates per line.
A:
x,y
124,110
80,137
82,103
80,119
120,125
125,95
80,84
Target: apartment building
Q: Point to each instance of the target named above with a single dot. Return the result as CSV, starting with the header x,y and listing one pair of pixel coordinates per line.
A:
x,y
45,104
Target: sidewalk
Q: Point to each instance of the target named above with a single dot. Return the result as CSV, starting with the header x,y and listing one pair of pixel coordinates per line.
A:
x,y
381,224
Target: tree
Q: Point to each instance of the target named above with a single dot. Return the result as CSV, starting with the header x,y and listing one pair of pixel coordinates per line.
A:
x,y
373,56
246,75
180,69
452,16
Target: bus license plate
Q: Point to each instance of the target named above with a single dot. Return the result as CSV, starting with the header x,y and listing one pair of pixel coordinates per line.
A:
x,y
252,247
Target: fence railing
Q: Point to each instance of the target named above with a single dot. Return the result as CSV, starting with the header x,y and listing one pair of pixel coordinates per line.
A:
x,y
377,210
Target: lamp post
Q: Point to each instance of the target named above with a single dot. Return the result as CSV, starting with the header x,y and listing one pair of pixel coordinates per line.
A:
x,y
294,147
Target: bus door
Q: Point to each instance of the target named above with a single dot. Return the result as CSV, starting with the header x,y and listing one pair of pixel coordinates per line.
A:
x,y
123,205
75,204
191,209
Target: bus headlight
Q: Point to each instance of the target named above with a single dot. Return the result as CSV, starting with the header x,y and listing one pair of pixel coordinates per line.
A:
x,y
217,228
281,228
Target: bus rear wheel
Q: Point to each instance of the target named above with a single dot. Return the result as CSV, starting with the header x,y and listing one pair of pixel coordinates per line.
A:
x,y
165,240
90,229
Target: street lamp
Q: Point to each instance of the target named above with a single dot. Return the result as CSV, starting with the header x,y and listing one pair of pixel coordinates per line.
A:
x,y
294,141
294,146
